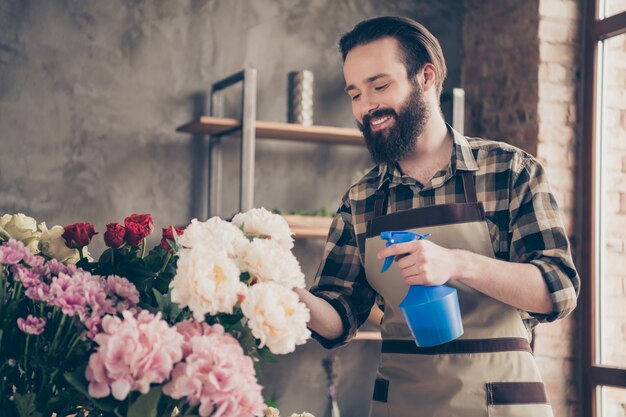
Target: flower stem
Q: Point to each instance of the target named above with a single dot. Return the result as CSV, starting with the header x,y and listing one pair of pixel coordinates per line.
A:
x,y
56,335
2,291
26,354
73,345
81,254
143,247
167,261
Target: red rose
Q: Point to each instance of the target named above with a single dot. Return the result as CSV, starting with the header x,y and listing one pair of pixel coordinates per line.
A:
x,y
169,235
138,226
114,236
78,235
143,219
134,234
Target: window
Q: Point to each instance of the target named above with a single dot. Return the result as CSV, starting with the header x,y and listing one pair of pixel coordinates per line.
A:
x,y
604,211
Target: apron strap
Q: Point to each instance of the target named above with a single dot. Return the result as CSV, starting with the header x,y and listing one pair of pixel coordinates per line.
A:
x,y
469,187
459,346
379,202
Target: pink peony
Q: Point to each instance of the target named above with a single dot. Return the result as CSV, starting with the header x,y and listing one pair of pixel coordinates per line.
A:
x,y
192,328
32,325
218,376
132,354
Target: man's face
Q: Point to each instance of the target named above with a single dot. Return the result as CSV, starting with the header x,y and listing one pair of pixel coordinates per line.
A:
x,y
390,109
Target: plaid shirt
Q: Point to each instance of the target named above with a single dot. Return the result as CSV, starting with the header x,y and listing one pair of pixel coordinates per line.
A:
x,y
522,215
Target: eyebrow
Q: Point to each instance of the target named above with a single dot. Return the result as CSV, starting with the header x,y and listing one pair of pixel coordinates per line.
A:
x,y
368,81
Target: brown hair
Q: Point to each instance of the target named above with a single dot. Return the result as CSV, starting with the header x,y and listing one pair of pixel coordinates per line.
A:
x,y
417,44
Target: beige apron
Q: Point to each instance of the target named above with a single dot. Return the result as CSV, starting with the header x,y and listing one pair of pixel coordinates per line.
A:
x,y
489,370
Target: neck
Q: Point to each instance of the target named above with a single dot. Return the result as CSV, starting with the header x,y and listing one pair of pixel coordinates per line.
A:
x,y
432,149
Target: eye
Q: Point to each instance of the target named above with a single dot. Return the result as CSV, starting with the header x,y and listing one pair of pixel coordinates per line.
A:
x,y
381,87
355,97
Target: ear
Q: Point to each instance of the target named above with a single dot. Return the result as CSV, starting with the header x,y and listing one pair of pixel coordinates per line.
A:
x,y
429,77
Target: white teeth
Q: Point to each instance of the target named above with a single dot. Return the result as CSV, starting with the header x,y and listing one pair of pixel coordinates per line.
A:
x,y
379,121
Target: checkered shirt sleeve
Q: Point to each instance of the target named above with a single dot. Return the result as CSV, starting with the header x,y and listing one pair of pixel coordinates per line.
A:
x,y
341,277
538,237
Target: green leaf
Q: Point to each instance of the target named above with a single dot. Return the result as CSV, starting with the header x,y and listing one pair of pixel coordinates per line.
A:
x,y
154,259
145,405
77,380
25,404
160,299
169,309
267,355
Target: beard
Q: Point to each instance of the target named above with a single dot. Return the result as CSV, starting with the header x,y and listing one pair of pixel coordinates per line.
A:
x,y
392,144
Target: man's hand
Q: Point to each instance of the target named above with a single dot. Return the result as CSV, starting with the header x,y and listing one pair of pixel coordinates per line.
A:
x,y
422,262
518,284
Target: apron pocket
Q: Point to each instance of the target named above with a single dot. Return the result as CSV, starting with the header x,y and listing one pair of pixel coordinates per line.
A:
x,y
378,406
518,399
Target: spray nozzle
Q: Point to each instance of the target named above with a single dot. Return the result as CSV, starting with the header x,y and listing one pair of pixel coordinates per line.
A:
x,y
393,237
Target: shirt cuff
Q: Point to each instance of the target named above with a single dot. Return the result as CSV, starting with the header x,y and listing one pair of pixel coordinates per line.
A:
x,y
562,291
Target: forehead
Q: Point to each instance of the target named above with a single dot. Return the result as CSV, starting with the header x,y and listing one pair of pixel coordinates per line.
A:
x,y
382,56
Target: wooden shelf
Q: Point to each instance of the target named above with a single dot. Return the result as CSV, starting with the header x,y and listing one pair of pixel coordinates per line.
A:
x,y
308,227
208,125
368,335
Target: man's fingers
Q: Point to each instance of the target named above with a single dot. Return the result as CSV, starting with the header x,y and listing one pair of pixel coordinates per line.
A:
x,y
397,249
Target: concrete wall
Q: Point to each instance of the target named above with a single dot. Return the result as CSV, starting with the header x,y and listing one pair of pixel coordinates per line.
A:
x,y
92,91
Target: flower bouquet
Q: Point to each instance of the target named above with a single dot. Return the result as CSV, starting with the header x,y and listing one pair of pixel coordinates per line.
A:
x,y
177,331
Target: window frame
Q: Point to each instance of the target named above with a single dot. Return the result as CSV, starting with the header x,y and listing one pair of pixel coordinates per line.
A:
x,y
593,375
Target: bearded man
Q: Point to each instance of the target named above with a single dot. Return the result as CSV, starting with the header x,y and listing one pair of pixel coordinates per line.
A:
x,y
497,238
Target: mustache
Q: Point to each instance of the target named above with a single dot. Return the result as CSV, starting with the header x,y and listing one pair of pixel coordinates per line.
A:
x,y
378,113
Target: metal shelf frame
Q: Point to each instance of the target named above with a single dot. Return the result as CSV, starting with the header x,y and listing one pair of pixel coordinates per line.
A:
x,y
248,77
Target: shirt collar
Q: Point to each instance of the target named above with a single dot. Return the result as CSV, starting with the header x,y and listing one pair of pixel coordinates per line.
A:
x,y
462,159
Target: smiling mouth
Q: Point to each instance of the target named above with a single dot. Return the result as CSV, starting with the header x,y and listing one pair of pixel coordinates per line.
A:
x,y
380,123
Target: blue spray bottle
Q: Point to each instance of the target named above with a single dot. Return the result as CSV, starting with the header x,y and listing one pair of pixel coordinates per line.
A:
x,y
431,312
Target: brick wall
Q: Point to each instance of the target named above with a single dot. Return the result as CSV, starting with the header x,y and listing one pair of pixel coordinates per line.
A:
x,y
521,76
499,75
560,60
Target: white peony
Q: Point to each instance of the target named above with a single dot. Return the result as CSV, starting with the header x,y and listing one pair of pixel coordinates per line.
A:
x,y
259,221
206,282
276,317
267,261
214,234
271,412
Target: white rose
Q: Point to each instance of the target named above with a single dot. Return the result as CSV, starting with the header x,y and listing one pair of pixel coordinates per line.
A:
x,y
267,261
302,415
52,244
276,317
206,283
21,227
260,221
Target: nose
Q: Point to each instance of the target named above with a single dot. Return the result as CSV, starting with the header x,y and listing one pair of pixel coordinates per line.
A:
x,y
367,106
